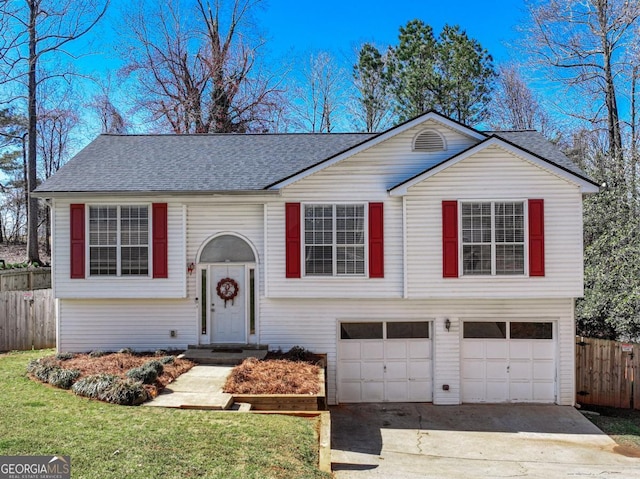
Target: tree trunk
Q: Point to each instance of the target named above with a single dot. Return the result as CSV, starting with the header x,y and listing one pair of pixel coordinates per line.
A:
x,y
32,205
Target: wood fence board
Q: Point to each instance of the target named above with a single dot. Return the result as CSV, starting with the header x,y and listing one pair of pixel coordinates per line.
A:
x,y
25,279
605,374
27,320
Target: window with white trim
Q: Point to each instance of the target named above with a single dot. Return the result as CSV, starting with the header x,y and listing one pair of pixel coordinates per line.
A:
x,y
119,240
334,239
493,238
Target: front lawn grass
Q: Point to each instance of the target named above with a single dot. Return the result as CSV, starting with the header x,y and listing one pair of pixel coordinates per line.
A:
x,y
623,425
108,441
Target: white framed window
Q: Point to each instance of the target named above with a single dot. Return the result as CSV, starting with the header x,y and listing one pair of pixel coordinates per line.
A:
x,y
119,240
493,238
334,239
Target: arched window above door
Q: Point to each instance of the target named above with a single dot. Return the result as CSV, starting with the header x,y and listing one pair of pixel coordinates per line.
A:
x,y
227,249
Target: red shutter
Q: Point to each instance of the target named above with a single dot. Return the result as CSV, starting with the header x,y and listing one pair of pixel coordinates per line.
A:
x,y
292,239
449,239
160,241
536,237
77,266
376,240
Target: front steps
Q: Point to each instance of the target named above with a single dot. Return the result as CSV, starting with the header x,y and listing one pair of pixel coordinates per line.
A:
x,y
224,354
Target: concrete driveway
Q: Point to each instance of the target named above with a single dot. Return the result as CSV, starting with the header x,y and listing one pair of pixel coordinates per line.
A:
x,y
472,441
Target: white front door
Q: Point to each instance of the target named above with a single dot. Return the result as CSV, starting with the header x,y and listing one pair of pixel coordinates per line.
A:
x,y
228,316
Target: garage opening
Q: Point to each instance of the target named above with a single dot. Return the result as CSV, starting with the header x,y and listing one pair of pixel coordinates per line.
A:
x,y
385,361
508,361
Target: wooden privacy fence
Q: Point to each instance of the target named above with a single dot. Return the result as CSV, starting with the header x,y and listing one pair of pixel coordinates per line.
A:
x,y
606,373
27,320
25,279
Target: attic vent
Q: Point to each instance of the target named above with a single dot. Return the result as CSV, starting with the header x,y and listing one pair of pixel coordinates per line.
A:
x,y
429,140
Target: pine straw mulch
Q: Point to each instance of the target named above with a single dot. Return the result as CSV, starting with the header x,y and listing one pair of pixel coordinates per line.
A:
x,y
273,376
119,363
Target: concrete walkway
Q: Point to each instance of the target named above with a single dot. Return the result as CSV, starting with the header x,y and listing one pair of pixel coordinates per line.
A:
x,y
198,388
472,441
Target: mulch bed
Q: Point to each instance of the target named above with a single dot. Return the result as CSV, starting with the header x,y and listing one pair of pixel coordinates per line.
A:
x,y
119,363
273,376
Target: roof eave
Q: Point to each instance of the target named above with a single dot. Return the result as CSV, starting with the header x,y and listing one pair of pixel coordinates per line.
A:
x,y
102,194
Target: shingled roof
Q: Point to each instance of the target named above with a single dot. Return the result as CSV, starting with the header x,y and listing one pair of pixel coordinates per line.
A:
x,y
224,163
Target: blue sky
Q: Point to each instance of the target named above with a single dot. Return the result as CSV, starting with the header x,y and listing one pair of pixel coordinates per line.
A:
x,y
339,26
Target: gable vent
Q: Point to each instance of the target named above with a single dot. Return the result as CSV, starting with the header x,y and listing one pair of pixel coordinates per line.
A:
x,y
429,140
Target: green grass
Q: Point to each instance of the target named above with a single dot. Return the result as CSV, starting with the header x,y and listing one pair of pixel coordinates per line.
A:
x,y
108,441
623,425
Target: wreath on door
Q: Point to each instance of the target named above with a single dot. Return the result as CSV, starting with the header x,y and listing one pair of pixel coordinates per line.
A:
x,y
227,289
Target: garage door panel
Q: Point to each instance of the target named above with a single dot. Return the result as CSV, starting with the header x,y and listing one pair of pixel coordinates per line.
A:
x,y
350,392
419,390
544,391
395,349
372,391
520,391
497,391
544,350
472,349
496,349
419,369
520,350
419,349
397,391
496,369
372,370
544,370
350,350
372,350
520,370
351,371
474,391
472,369
397,370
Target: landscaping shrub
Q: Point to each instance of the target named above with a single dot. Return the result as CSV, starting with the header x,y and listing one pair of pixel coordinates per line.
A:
x,y
94,386
43,369
125,392
154,364
97,354
144,374
167,359
64,356
62,378
160,352
126,351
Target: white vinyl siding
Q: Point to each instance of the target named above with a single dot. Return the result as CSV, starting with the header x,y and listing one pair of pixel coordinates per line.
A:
x,y
480,178
132,286
113,324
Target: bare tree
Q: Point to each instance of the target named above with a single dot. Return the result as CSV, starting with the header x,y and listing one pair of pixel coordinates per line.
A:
x,y
196,76
584,43
318,101
38,29
109,116
515,105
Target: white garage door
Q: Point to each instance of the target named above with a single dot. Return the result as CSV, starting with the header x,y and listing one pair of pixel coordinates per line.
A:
x,y
508,361
385,361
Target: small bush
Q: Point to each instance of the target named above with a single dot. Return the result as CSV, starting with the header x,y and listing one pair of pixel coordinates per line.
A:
x,y
298,353
143,374
33,365
64,356
63,378
160,352
94,386
125,392
167,359
44,370
126,351
156,365
97,354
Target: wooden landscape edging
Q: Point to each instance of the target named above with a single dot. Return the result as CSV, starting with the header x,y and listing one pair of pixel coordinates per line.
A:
x,y
606,373
286,402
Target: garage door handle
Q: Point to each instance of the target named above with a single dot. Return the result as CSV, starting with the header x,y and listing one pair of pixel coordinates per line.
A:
x,y
385,368
508,368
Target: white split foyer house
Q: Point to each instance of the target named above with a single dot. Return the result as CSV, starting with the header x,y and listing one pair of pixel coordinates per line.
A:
x,y
432,262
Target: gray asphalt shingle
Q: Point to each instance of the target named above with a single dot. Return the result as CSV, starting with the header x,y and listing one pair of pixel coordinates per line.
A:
x,y
221,162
